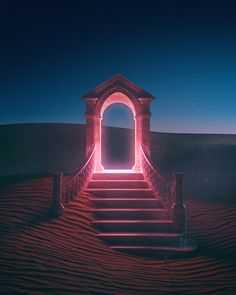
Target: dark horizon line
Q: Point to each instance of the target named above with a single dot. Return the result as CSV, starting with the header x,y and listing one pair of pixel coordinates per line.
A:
x,y
155,131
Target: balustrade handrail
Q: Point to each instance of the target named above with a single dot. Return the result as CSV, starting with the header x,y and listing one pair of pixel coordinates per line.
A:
x,y
159,182
73,185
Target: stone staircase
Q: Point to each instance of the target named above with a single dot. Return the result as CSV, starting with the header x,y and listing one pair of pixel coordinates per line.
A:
x,y
130,217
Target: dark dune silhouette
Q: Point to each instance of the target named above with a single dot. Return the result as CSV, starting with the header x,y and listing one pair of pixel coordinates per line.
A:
x,y
41,148
39,255
208,160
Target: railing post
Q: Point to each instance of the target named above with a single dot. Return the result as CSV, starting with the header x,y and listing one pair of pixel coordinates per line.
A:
x,y
57,208
178,208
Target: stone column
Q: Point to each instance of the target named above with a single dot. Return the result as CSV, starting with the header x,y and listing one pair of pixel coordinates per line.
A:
x,y
138,141
178,208
145,117
89,134
97,141
146,134
90,114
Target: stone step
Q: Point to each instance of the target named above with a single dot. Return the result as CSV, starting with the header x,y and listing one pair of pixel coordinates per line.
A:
x,y
121,193
135,225
131,218
175,251
118,184
127,202
118,176
130,213
142,239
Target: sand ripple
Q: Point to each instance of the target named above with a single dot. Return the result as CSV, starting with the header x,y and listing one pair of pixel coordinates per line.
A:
x,y
63,256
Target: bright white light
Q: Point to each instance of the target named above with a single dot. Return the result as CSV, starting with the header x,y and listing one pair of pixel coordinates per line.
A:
x,y
117,171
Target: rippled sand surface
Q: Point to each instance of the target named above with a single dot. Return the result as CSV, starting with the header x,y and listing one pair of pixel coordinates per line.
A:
x,y
39,255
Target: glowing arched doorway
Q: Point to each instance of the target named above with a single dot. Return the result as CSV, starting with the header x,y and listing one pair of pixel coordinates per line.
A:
x,y
117,90
118,137
102,105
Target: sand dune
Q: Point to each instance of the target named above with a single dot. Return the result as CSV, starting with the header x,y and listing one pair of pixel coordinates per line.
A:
x,y
208,160
63,255
39,255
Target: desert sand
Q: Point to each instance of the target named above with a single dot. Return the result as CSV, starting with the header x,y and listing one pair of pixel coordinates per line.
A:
x,y
39,255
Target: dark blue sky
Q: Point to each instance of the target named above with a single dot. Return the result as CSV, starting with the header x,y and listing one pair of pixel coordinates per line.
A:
x,y
182,52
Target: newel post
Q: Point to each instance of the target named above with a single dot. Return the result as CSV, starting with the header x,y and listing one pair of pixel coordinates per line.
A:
x,y
178,208
57,208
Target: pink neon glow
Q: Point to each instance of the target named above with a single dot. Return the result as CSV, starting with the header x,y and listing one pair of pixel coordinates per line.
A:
x,y
118,148
117,97
118,89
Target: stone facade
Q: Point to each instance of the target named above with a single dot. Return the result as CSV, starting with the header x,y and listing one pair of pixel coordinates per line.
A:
x,y
118,90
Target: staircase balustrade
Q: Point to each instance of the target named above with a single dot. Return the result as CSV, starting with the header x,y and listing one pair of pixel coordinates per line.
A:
x,y
159,182
171,194
75,183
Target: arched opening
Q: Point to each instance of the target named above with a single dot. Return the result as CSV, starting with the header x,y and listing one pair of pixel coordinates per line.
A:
x,y
118,137
117,89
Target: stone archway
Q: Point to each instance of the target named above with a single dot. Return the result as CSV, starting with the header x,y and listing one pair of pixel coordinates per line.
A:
x,y
117,90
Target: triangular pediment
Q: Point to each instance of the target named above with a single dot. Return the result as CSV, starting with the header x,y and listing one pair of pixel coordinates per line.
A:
x,y
118,83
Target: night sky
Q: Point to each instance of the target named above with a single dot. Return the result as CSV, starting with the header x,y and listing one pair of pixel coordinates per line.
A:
x,y
182,52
